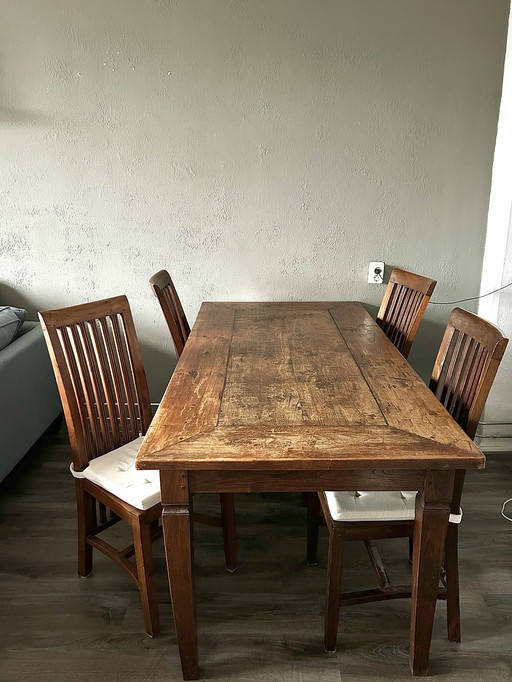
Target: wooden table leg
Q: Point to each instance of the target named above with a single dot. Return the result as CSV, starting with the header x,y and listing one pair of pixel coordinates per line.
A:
x,y
177,532
430,526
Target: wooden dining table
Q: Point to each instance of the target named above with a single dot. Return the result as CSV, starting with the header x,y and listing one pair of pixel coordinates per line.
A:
x,y
301,397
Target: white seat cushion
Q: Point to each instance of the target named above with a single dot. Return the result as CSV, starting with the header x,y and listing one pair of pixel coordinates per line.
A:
x,y
360,505
116,473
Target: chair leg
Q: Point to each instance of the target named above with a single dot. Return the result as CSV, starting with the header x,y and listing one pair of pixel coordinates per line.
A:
x,y
451,566
304,499
86,516
333,592
102,512
313,523
146,579
228,520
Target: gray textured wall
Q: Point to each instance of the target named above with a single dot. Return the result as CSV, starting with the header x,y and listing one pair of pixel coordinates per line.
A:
x,y
258,150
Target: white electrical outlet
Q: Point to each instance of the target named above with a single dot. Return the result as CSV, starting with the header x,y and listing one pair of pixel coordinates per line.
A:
x,y
376,272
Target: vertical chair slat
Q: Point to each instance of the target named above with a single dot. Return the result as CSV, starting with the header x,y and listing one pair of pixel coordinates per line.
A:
x,y
64,336
401,313
464,376
126,375
85,378
475,356
107,383
170,301
455,372
443,384
97,386
394,314
479,371
145,414
180,314
121,412
412,310
407,315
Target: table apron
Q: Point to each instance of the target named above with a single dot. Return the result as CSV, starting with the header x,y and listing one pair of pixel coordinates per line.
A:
x,y
299,481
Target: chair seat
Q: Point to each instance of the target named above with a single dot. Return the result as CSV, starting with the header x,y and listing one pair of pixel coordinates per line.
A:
x,y
360,505
115,472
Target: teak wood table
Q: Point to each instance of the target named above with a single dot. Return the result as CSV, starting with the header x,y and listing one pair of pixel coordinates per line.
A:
x,y
294,397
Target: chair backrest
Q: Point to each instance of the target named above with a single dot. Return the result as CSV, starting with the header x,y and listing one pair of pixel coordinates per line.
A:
x,y
465,367
404,302
167,296
98,366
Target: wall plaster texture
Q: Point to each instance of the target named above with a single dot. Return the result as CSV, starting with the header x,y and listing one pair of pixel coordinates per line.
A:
x,y
257,150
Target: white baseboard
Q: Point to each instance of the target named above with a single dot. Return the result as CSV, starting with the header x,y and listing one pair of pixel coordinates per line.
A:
x,y
488,444
494,437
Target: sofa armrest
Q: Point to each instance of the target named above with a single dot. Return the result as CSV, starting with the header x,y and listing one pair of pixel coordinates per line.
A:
x,y
29,400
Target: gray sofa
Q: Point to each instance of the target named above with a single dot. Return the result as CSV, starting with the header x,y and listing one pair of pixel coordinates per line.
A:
x,y
29,401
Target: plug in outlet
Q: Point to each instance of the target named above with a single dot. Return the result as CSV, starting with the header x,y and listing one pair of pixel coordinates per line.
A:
x,y
376,272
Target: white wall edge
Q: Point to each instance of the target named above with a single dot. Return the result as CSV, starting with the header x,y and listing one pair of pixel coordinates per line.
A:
x,y
490,445
494,437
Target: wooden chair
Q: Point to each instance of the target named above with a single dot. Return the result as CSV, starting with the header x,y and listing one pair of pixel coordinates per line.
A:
x,y
404,302
167,296
464,370
102,384
165,291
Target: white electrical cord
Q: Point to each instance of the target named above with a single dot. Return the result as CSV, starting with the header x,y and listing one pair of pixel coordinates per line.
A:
x,y
461,300
503,509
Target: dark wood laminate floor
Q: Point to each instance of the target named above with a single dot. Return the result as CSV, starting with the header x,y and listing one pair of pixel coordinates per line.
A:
x,y
262,623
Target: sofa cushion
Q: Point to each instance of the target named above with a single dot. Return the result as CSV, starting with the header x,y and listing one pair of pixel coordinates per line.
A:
x,y
11,320
116,473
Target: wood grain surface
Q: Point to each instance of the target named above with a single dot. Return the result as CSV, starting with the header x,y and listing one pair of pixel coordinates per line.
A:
x,y
298,385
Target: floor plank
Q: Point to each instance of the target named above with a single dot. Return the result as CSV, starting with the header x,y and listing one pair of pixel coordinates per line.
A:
x,y
262,623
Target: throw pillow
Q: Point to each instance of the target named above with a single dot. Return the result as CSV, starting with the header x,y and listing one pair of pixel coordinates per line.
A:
x,y
11,320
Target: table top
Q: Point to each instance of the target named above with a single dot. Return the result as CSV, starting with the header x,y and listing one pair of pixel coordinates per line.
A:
x,y
297,386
